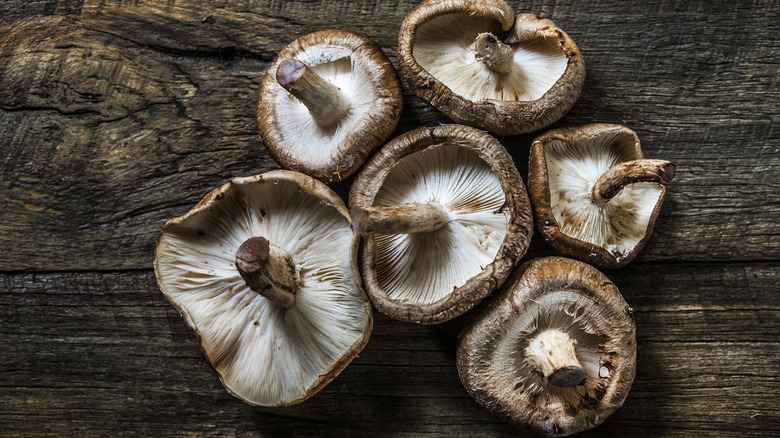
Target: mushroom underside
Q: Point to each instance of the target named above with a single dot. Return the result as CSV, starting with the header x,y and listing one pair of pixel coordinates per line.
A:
x,y
573,169
265,354
505,377
561,310
424,268
445,48
303,136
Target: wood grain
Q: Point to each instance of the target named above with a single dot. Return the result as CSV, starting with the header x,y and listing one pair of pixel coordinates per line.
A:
x,y
122,116
95,353
116,116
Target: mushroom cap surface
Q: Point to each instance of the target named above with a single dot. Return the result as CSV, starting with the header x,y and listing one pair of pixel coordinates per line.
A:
x,y
550,293
436,56
435,276
267,355
563,167
358,67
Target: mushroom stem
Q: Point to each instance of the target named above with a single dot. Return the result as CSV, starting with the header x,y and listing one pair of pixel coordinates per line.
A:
x,y
620,175
552,353
326,103
267,270
403,219
498,56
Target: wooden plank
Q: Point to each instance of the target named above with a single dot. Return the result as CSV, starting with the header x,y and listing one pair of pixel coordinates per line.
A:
x,y
16,10
115,133
118,119
116,116
93,354
121,117
255,29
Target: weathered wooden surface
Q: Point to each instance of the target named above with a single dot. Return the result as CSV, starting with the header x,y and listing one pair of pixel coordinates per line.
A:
x,y
116,116
97,353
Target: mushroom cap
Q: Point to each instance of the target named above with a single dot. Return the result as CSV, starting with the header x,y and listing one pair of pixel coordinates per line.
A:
x,y
563,167
358,67
436,276
557,293
267,355
436,56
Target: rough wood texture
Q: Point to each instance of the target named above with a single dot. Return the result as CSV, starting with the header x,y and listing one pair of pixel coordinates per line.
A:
x,y
98,353
116,116
125,114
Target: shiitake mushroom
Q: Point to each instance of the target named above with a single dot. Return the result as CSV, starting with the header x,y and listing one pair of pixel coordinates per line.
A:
x,y
554,351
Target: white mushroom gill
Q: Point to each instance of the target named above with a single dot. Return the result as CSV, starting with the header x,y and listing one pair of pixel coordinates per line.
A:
x,y
445,48
424,268
306,137
617,225
265,354
569,312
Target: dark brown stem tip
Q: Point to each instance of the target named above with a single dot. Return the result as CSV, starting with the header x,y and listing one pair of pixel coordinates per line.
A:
x,y
289,71
498,56
252,255
567,377
668,171
487,44
267,270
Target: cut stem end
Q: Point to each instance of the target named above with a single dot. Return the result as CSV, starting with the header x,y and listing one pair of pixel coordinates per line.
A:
x,y
267,270
498,56
553,354
326,103
567,377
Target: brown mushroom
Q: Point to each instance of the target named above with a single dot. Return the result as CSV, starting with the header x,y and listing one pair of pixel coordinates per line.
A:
x,y
482,66
329,99
264,271
594,194
554,351
444,217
